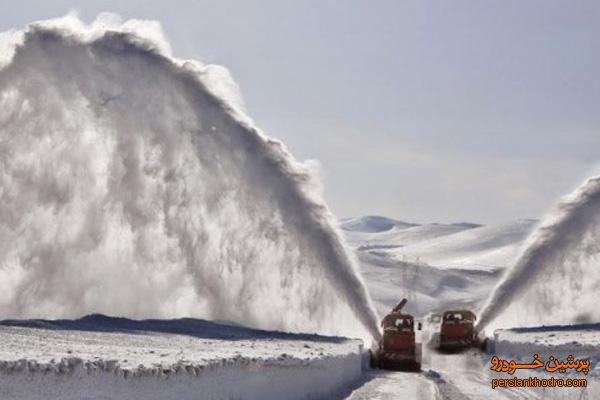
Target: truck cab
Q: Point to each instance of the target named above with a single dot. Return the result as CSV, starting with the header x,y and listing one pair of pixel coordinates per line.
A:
x,y
398,348
398,332
457,330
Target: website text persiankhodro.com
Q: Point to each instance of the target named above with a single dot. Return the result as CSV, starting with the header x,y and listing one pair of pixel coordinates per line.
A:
x,y
537,382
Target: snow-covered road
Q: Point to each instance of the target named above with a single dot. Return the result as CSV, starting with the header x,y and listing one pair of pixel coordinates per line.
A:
x,y
463,376
467,376
390,385
445,377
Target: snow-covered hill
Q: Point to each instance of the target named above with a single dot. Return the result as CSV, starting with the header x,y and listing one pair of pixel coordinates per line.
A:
x,y
373,223
483,247
400,235
436,266
460,245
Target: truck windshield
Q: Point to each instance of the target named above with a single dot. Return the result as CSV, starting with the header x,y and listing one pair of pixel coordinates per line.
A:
x,y
457,318
402,323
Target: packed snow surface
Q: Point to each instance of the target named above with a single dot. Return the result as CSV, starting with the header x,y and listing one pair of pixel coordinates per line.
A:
x,y
99,357
127,174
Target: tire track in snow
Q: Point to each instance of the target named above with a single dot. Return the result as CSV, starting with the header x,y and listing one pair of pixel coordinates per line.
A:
x,y
389,385
445,389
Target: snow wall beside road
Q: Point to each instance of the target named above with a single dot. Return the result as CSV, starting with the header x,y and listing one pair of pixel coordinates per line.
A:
x,y
284,378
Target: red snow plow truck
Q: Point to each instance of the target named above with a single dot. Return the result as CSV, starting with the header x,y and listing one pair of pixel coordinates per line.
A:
x,y
458,330
398,348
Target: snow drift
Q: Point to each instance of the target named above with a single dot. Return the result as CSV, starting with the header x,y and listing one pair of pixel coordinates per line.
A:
x,y
132,183
556,278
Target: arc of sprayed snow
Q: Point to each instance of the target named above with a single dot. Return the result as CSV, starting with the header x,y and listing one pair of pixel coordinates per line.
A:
x,y
573,217
312,216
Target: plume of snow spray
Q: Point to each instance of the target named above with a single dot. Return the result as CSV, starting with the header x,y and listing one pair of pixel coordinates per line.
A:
x,y
132,183
557,277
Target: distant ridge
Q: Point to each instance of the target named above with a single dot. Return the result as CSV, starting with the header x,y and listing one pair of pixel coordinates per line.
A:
x,y
373,224
467,224
180,326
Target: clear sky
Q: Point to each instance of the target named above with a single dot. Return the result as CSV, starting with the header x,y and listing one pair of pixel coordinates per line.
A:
x,y
422,110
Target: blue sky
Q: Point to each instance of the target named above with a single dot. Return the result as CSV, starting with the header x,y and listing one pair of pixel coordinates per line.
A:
x,y
421,110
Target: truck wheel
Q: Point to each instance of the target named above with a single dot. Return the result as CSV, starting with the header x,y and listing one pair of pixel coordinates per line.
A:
x,y
373,362
382,363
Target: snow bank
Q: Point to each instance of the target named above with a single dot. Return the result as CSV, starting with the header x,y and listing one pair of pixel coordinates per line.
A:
x,y
232,379
127,174
71,364
580,341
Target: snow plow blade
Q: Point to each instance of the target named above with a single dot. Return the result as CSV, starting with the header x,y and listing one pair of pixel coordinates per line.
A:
x,y
395,362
